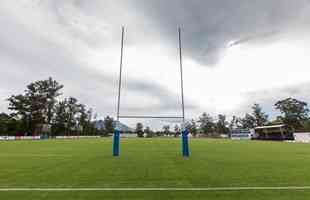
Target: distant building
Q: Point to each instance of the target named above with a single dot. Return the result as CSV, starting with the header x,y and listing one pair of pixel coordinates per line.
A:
x,y
273,132
241,134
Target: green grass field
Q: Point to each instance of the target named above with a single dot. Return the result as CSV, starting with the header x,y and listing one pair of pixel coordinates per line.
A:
x,y
87,163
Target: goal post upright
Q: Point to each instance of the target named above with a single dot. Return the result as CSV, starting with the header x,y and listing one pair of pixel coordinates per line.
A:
x,y
117,132
185,133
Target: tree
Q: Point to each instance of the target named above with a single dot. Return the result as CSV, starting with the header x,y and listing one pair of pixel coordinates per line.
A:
x,y
73,109
221,125
4,121
50,90
259,116
38,107
35,106
9,125
108,125
69,117
276,121
192,127
235,123
20,105
256,118
207,125
177,130
159,133
248,121
82,118
85,124
306,125
149,133
166,129
294,112
60,121
139,129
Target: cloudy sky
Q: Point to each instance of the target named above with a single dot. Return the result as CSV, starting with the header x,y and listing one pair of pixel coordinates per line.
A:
x,y
236,52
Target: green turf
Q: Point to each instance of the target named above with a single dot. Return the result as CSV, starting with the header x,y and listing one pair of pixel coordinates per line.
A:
x,y
153,163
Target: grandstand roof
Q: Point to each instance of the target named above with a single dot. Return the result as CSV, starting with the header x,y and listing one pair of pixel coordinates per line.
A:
x,y
271,126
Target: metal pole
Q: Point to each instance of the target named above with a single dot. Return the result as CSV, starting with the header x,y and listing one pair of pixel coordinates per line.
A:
x,y
120,75
181,71
116,136
185,146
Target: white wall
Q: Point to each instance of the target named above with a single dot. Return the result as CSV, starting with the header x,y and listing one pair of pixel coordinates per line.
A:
x,y
302,137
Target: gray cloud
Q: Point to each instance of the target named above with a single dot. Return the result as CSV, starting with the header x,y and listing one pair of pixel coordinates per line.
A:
x,y
28,55
253,38
209,25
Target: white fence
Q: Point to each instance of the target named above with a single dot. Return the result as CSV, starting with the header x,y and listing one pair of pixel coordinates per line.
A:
x,y
302,137
127,135
77,137
6,138
11,138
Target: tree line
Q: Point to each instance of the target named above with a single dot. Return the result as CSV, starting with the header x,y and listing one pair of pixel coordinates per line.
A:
x,y
294,114
39,109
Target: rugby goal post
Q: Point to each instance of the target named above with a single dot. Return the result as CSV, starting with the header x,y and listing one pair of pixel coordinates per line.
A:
x,y
117,132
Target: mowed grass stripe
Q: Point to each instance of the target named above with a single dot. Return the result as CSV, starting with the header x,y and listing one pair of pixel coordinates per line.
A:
x,y
157,189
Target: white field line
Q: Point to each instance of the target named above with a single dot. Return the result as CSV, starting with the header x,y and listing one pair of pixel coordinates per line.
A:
x,y
36,155
65,189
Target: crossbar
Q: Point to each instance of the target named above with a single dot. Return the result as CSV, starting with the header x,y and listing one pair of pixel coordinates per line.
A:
x,y
149,117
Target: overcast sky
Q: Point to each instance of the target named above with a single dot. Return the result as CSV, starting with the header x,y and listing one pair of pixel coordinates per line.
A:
x,y
236,52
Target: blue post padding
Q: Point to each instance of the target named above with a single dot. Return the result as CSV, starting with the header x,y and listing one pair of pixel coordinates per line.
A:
x,y
116,137
185,148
